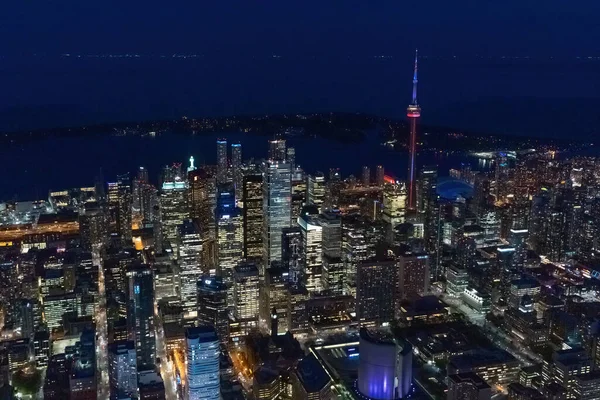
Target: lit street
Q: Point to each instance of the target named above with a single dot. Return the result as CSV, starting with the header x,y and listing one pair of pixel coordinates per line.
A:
x,y
101,333
167,369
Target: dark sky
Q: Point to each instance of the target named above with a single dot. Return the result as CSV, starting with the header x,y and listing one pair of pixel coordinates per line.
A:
x,y
349,27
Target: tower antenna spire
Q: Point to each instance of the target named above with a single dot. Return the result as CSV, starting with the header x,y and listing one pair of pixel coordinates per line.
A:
x,y
415,80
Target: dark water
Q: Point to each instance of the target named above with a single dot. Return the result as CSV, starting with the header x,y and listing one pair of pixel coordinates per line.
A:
x,y
540,96
38,167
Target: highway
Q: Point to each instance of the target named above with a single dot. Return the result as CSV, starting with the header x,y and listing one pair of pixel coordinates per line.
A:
x,y
101,332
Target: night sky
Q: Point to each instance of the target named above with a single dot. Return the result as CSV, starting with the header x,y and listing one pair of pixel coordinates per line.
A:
x,y
328,61
515,27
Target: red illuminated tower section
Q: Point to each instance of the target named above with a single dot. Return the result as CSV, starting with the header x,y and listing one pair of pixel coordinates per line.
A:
x,y
413,113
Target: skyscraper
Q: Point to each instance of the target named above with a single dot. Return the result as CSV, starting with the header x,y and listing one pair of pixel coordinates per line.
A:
x,y
122,369
375,292
315,189
221,160
253,216
173,206
230,235
312,247
366,176
202,198
277,197
277,150
413,113
120,202
212,306
140,314
413,274
189,262
380,175
292,255
245,296
202,360
236,169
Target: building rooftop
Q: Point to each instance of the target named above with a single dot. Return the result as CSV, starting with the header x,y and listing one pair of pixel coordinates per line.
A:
x,y
481,358
204,333
311,374
469,377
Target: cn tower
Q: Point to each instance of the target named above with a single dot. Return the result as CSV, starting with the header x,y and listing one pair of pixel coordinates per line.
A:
x,y
413,112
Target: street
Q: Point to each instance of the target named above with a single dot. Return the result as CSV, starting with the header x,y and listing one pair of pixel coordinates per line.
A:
x,y
101,332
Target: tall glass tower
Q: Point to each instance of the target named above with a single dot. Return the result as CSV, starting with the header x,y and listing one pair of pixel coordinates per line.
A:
x,y
221,160
277,202
202,359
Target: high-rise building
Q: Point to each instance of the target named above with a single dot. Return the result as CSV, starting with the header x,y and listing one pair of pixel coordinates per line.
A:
x,y
140,314
413,113
310,381
366,176
312,247
315,189
173,206
427,187
277,150
120,202
274,300
394,204
292,255
236,169
222,161
202,200
246,296
253,216
202,361
190,265
291,158
380,175
276,208
376,292
413,275
212,306
230,233
92,227
331,223
122,369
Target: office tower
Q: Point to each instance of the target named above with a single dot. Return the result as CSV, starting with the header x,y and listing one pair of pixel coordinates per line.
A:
x,y
246,296
427,187
292,254
213,306
142,193
253,216
203,200
457,280
202,360
333,275
385,367
165,282
236,169
394,204
92,227
468,386
413,113
312,247
376,283
122,369
230,235
276,208
366,176
267,384
140,314
221,161
315,189
173,206
310,381
277,150
413,275
41,348
331,224
380,175
120,201
291,158
56,306
190,265
274,302
501,176
298,193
